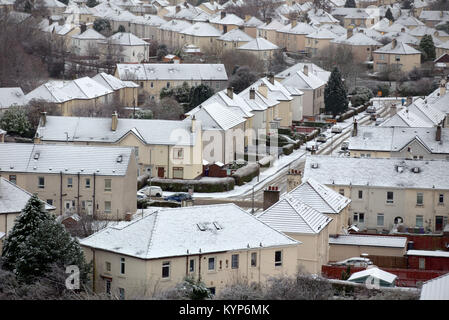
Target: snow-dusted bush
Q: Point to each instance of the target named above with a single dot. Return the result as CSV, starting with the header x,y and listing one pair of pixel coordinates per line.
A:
x,y
265,161
241,290
288,149
203,185
246,173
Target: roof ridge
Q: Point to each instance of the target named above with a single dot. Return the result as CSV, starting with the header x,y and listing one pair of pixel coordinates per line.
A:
x,y
319,194
288,199
156,213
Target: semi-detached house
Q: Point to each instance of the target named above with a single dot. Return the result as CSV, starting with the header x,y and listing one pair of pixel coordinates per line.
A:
x,y
166,148
98,181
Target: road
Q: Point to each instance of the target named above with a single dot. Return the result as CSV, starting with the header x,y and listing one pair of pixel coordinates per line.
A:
x,y
254,198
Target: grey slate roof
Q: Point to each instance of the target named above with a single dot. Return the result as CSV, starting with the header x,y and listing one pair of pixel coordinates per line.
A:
x,y
167,71
69,159
176,232
84,129
344,171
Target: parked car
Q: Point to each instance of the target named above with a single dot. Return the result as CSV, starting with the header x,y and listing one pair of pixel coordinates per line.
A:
x,y
179,197
355,262
344,145
337,129
311,145
321,138
154,191
371,109
141,195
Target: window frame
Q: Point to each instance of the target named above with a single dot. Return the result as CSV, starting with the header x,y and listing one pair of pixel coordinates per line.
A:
x,y
166,265
39,185
106,188
235,261
380,215
278,263
209,262
122,266
392,197
253,259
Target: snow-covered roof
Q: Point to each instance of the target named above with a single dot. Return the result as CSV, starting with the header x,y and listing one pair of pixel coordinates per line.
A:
x,y
89,34
395,139
434,15
258,44
253,22
175,25
11,96
428,253
111,82
188,230
276,90
236,35
436,289
322,34
406,118
357,39
377,172
202,29
375,273
398,48
302,81
126,39
312,69
260,102
273,25
216,116
423,30
14,198
149,19
166,71
369,240
228,19
291,215
70,159
85,129
236,103
320,197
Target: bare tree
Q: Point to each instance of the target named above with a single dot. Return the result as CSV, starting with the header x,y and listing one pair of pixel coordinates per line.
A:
x,y
167,109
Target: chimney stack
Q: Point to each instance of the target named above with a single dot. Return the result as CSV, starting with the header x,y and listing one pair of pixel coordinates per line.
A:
x,y
354,130
270,196
402,30
394,43
268,20
247,17
438,134
271,78
43,118
442,87
193,128
252,93
306,70
294,23
263,89
223,14
2,136
178,8
349,33
293,179
114,121
83,27
230,92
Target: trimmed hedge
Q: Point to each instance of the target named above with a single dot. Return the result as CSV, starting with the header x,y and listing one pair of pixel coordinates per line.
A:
x,y
179,185
312,135
288,149
286,131
246,173
142,181
265,161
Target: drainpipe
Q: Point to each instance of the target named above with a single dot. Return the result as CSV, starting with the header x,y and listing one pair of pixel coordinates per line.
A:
x,y
93,270
78,206
94,205
60,193
168,162
199,267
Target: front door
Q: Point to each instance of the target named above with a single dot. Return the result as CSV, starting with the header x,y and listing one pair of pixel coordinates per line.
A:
x,y
89,207
438,223
160,172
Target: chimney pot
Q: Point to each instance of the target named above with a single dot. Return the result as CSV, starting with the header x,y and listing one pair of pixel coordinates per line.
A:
x,y
306,70
114,121
252,93
270,197
230,92
354,131
438,134
44,118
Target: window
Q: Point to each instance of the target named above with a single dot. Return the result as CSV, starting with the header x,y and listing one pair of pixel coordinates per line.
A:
x,y
342,192
389,196
211,264
212,290
422,263
419,199
122,265
254,259
87,183
192,265
13,178
360,194
168,84
277,258
355,217
108,286
178,173
41,182
178,153
141,84
441,199
50,201
166,269
108,266
107,207
361,218
398,58
69,182
419,221
107,185
121,293
380,219
235,261
151,84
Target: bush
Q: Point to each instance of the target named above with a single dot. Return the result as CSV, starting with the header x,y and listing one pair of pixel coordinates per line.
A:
x,y
288,149
265,161
361,95
209,185
15,121
246,173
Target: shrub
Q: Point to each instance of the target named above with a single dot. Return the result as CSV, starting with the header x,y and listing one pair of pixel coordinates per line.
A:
x,y
288,149
246,173
361,95
209,185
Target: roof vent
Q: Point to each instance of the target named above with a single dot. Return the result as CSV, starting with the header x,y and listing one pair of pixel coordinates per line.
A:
x,y
201,226
119,158
400,169
217,226
314,165
36,156
416,170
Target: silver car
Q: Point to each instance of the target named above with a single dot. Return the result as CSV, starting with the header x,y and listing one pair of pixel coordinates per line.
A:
x,y
355,262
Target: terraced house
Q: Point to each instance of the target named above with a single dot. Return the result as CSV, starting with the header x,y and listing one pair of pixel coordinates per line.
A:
x,y
98,181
